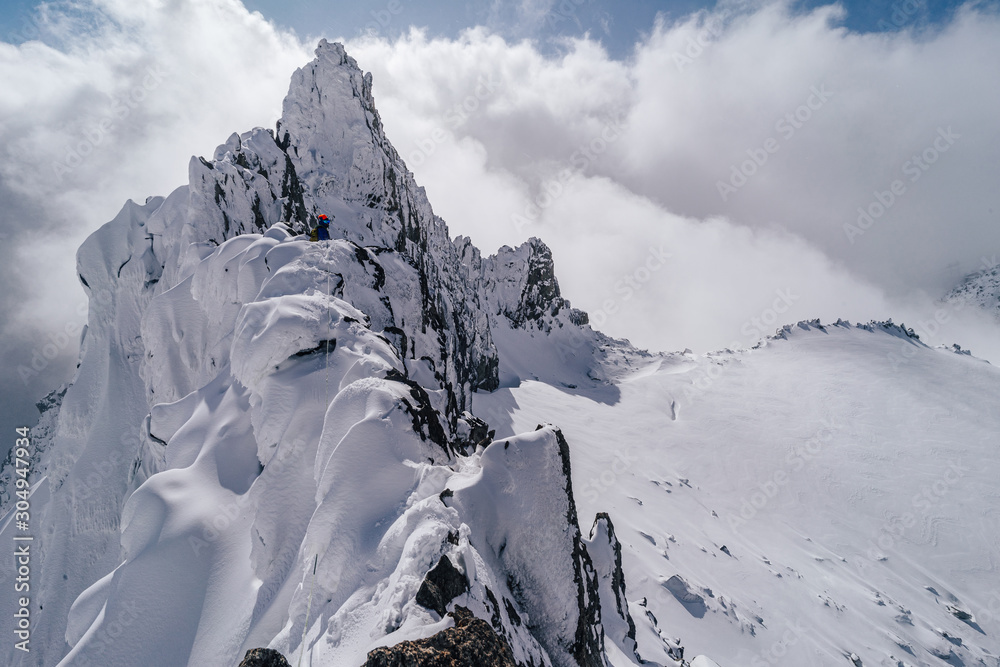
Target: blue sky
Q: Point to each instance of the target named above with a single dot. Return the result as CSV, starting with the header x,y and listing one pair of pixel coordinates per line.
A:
x,y
618,25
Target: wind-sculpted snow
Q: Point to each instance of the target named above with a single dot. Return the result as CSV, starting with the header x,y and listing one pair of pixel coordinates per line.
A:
x,y
287,437
548,567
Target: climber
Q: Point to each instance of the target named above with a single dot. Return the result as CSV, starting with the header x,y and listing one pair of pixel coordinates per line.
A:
x,y
321,232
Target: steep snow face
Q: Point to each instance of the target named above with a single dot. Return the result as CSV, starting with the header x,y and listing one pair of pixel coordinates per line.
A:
x,y
76,507
529,477
294,482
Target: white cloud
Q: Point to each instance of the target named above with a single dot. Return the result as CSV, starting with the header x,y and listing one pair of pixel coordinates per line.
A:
x,y
117,111
698,99
110,104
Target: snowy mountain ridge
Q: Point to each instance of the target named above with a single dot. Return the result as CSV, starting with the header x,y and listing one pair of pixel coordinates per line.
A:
x,y
980,289
295,400
324,448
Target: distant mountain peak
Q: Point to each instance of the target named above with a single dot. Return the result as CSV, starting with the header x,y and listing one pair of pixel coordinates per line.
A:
x,y
980,289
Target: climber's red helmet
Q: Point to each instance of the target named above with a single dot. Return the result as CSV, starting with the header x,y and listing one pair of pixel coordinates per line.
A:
x,y
323,220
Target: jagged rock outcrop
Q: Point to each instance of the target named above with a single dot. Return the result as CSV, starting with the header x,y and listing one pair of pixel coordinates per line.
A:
x,y
472,642
264,657
606,553
588,647
473,432
441,585
549,574
330,150
519,285
40,438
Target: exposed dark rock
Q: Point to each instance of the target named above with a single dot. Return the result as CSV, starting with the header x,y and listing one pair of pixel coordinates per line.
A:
x,y
52,400
425,417
960,614
524,280
441,585
471,643
674,648
264,657
364,256
324,347
472,432
293,209
511,612
541,289
494,609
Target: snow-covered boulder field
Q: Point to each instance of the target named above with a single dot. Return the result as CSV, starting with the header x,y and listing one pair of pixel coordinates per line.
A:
x,y
387,444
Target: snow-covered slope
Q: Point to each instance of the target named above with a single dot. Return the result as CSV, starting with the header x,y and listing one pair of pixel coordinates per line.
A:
x,y
271,442
800,503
